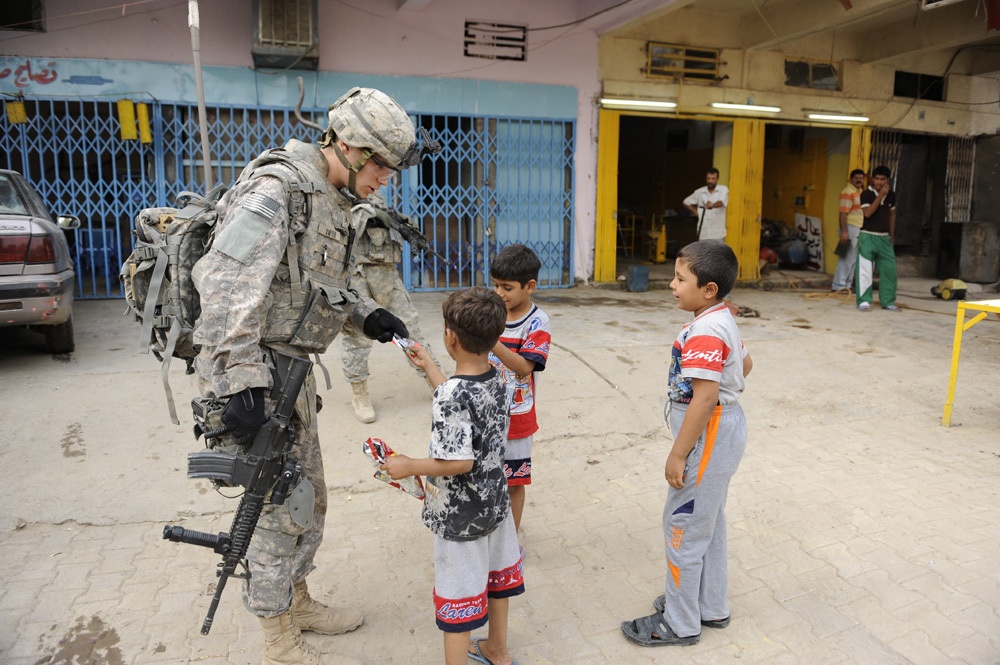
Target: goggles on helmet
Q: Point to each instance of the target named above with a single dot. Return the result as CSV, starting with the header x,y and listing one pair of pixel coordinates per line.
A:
x,y
416,152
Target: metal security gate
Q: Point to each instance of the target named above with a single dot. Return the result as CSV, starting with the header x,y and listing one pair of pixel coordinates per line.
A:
x,y
958,179
71,152
497,181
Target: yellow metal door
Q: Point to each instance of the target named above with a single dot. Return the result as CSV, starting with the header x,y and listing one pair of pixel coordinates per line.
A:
x,y
607,195
746,183
861,148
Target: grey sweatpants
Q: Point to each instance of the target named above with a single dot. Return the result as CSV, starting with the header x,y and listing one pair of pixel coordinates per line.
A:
x,y
694,522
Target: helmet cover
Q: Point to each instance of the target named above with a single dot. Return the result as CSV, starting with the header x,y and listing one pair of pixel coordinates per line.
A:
x,y
369,118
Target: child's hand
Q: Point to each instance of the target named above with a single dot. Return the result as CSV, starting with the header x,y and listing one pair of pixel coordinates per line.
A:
x,y
674,471
397,466
420,356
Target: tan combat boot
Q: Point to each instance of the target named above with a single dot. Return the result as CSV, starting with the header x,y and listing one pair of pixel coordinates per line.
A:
x,y
309,614
283,645
362,405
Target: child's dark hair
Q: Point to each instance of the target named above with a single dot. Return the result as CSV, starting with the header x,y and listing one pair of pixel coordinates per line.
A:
x,y
711,261
477,316
516,263
882,170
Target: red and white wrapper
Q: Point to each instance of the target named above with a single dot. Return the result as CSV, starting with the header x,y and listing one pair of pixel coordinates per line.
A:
x,y
378,451
405,344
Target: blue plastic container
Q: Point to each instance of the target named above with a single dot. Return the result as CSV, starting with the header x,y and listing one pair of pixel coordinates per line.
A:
x,y
638,279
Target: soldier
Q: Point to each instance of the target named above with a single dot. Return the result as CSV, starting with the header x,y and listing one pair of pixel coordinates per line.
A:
x,y
378,251
276,281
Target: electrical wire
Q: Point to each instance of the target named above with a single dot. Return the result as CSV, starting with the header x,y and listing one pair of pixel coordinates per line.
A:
x,y
90,11
761,14
578,21
12,26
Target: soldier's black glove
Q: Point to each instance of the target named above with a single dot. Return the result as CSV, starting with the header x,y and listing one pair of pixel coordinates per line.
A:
x,y
244,414
381,326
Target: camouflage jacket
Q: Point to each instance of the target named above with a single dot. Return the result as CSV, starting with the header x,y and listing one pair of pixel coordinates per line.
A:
x,y
375,243
282,211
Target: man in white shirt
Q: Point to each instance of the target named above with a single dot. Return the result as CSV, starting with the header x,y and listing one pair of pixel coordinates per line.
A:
x,y
709,204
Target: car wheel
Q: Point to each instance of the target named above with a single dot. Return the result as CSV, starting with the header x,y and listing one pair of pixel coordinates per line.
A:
x,y
59,338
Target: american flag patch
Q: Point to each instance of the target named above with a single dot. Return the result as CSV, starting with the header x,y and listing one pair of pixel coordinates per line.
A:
x,y
263,205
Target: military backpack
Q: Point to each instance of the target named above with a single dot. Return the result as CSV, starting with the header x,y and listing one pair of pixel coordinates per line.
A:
x,y
159,289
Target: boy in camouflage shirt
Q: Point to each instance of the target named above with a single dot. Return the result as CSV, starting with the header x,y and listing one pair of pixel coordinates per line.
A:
x,y
477,567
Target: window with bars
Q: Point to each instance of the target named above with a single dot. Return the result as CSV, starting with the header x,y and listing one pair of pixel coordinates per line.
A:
x,y
811,74
680,62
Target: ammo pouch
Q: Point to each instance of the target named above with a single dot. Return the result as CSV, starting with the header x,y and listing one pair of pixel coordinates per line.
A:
x,y
378,247
312,326
215,465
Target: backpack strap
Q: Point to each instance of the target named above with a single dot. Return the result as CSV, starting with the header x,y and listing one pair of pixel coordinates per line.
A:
x,y
326,372
168,353
297,192
152,295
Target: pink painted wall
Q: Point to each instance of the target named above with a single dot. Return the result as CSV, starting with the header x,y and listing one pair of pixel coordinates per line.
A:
x,y
157,32
364,36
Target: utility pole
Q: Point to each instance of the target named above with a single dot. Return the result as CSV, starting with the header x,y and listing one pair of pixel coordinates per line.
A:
x,y
206,157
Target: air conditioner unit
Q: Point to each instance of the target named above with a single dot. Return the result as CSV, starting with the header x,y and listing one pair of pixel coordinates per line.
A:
x,y
933,4
285,35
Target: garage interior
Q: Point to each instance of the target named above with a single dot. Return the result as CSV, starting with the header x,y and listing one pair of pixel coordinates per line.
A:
x,y
663,160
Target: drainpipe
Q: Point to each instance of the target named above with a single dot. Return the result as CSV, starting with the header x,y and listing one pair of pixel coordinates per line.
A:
x,y
199,85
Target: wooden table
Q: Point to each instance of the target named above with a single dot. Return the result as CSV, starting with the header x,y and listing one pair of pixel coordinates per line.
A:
x,y
984,307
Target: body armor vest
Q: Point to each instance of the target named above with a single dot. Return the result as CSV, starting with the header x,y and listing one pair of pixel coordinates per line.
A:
x,y
310,295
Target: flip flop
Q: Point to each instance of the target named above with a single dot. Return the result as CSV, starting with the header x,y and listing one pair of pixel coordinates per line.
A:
x,y
478,655
653,631
660,603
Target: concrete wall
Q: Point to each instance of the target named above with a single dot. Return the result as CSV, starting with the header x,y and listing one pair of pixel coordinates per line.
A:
x,y
420,49
986,181
759,77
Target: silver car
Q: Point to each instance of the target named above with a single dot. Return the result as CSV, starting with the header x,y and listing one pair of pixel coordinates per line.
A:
x,y
36,269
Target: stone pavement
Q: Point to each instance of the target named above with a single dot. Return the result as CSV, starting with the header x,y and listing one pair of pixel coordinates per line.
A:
x,y
861,530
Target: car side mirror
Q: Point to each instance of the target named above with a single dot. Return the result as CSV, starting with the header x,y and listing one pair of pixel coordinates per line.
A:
x,y
68,222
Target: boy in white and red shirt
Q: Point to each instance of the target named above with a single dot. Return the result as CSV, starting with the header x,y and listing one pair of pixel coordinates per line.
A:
x,y
707,367
522,351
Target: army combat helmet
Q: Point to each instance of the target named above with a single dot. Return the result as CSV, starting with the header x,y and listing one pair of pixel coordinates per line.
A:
x,y
371,120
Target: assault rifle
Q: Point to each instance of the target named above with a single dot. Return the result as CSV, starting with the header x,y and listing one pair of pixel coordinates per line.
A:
x,y
264,469
393,219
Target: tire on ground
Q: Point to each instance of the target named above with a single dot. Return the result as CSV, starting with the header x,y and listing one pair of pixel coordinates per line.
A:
x,y
59,338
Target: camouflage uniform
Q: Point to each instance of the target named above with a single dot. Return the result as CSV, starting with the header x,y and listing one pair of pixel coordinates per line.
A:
x,y
377,252
251,309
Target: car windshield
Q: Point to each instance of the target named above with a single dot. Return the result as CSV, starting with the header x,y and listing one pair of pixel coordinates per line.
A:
x,y
9,201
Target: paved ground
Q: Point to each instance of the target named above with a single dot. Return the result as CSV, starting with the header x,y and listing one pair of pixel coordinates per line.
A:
x,y
861,530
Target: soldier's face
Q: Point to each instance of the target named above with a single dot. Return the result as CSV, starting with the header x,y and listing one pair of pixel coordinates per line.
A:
x,y
369,177
372,176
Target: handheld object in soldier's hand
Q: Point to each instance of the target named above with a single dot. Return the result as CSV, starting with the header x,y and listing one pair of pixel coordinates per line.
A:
x,y
407,345
378,451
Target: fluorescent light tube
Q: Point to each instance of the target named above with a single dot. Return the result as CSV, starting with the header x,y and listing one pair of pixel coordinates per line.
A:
x,y
643,103
746,107
837,118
